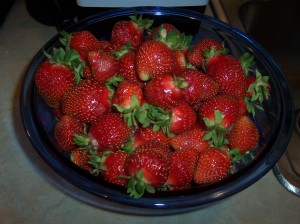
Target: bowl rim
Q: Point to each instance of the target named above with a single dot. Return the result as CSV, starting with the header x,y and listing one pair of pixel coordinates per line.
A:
x,y
191,200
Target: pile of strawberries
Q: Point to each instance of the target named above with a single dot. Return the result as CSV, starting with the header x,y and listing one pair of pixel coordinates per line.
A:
x,y
150,111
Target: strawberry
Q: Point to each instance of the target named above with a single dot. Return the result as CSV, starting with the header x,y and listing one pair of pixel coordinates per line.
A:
x,y
87,73
103,65
82,41
164,91
191,139
168,27
180,118
109,132
130,31
124,92
149,168
127,67
244,135
80,158
55,76
199,86
219,114
86,101
213,166
143,135
197,53
183,118
153,58
64,131
127,98
182,167
111,165
228,72
180,62
227,105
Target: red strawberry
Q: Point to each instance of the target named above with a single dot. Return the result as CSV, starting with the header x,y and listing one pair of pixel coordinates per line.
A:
x,y
149,168
183,118
81,158
213,166
196,53
153,58
180,63
164,91
167,26
143,135
126,100
175,121
112,166
124,92
87,101
109,132
103,65
228,72
83,42
87,73
227,105
64,132
115,168
191,139
130,31
199,86
183,164
127,67
53,81
244,135
219,114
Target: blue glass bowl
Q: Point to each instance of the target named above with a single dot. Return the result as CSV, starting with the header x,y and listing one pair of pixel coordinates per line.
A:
x,y
275,123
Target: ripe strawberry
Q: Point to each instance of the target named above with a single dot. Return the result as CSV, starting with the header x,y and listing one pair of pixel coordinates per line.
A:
x,y
82,41
213,166
110,165
244,135
153,58
228,72
175,121
127,67
196,53
80,158
149,168
191,139
126,100
130,31
64,131
183,118
86,101
219,114
109,132
199,86
103,65
183,164
52,81
180,62
124,92
143,135
87,73
164,91
227,105
167,26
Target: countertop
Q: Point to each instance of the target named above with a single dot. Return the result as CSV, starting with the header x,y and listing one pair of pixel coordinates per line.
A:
x,y
30,192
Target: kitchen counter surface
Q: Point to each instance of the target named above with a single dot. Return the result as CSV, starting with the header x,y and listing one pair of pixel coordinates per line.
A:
x,y
30,192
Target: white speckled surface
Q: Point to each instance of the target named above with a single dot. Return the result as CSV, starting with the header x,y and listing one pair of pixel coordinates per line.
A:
x,y
30,192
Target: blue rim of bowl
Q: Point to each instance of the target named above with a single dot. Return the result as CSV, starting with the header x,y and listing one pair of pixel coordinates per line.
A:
x,y
167,202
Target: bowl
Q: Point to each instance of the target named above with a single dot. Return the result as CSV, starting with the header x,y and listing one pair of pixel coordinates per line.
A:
x,y
275,123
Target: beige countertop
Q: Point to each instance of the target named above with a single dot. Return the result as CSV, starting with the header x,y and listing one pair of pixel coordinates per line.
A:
x,y
30,192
